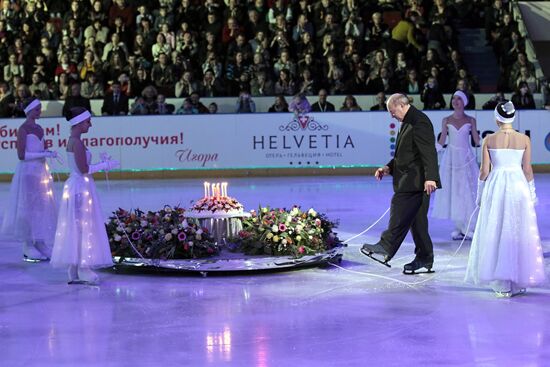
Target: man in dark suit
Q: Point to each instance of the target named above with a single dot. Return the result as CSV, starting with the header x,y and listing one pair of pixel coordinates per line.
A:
x,y
115,103
415,176
322,105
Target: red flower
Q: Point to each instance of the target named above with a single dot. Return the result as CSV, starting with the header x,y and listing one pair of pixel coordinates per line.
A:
x,y
210,250
301,249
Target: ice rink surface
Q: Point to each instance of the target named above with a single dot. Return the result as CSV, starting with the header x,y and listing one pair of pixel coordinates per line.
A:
x,y
362,314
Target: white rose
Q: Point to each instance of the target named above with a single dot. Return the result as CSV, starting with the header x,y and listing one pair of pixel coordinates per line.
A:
x,y
274,229
198,237
299,228
199,231
284,241
117,238
168,237
312,212
119,229
143,223
174,231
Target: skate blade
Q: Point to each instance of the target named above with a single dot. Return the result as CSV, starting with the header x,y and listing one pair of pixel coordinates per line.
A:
x,y
414,272
33,260
82,282
371,255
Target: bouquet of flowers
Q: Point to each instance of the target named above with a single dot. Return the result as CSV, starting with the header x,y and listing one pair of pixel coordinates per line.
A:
x,y
164,234
286,232
217,204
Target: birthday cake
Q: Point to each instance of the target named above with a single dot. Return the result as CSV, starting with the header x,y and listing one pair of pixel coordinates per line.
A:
x,y
216,203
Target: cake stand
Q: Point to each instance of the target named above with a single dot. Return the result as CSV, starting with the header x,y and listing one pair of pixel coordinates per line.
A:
x,y
221,226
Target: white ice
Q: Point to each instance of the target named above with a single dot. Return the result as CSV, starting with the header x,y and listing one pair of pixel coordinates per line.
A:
x,y
362,315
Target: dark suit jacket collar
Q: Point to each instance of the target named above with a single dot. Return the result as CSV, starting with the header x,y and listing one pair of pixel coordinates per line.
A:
x,y
409,116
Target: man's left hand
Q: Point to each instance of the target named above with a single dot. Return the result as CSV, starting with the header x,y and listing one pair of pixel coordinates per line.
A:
x,y
430,186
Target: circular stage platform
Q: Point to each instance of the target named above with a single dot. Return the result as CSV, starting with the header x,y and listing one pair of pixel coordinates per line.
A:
x,y
228,262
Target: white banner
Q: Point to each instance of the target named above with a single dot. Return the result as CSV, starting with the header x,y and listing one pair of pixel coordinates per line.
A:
x,y
249,141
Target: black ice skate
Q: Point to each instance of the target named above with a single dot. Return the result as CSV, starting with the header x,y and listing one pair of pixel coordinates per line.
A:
x,y
376,249
412,267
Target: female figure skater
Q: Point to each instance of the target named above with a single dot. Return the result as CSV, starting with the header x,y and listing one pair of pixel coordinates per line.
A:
x,y
458,169
506,251
81,239
31,212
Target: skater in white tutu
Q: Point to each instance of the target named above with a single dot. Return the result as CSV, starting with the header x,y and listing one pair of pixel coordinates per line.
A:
x,y
458,169
30,214
506,252
81,242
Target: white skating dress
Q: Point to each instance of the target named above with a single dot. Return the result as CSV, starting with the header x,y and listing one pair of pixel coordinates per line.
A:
x,y
81,238
458,172
506,248
31,213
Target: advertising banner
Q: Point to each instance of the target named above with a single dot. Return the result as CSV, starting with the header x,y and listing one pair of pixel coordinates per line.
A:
x,y
249,141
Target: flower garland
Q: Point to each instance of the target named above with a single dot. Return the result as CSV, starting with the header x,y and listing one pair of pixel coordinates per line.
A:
x,y
280,232
164,234
215,204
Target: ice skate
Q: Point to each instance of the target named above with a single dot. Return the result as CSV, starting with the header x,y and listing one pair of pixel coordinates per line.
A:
x,y
87,276
412,267
73,275
371,250
456,235
31,254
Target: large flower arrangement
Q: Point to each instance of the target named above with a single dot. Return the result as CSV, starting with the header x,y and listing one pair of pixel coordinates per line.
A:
x,y
164,234
286,232
214,204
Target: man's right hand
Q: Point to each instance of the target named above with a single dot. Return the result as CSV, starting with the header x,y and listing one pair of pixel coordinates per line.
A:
x,y
381,172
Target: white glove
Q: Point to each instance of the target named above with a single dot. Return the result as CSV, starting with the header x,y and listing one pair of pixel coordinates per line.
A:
x,y
439,147
103,166
533,193
480,186
39,155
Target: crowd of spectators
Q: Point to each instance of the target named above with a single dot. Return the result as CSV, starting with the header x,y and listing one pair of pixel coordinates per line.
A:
x,y
136,53
517,73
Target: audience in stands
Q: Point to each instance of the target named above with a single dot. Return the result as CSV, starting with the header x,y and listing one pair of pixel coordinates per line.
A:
x,y
522,97
115,102
322,105
380,103
220,48
280,104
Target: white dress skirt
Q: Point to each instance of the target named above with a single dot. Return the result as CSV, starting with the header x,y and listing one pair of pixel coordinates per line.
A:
x,y
458,172
81,237
506,248
31,213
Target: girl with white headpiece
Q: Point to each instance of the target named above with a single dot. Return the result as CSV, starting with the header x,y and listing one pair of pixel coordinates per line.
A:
x,y
458,169
81,242
506,252
31,213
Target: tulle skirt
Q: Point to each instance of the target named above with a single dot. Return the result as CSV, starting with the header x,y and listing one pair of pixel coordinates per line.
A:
x,y
506,245
456,200
31,212
81,237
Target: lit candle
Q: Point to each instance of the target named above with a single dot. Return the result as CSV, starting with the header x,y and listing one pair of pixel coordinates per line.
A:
x,y
208,189
224,188
205,190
